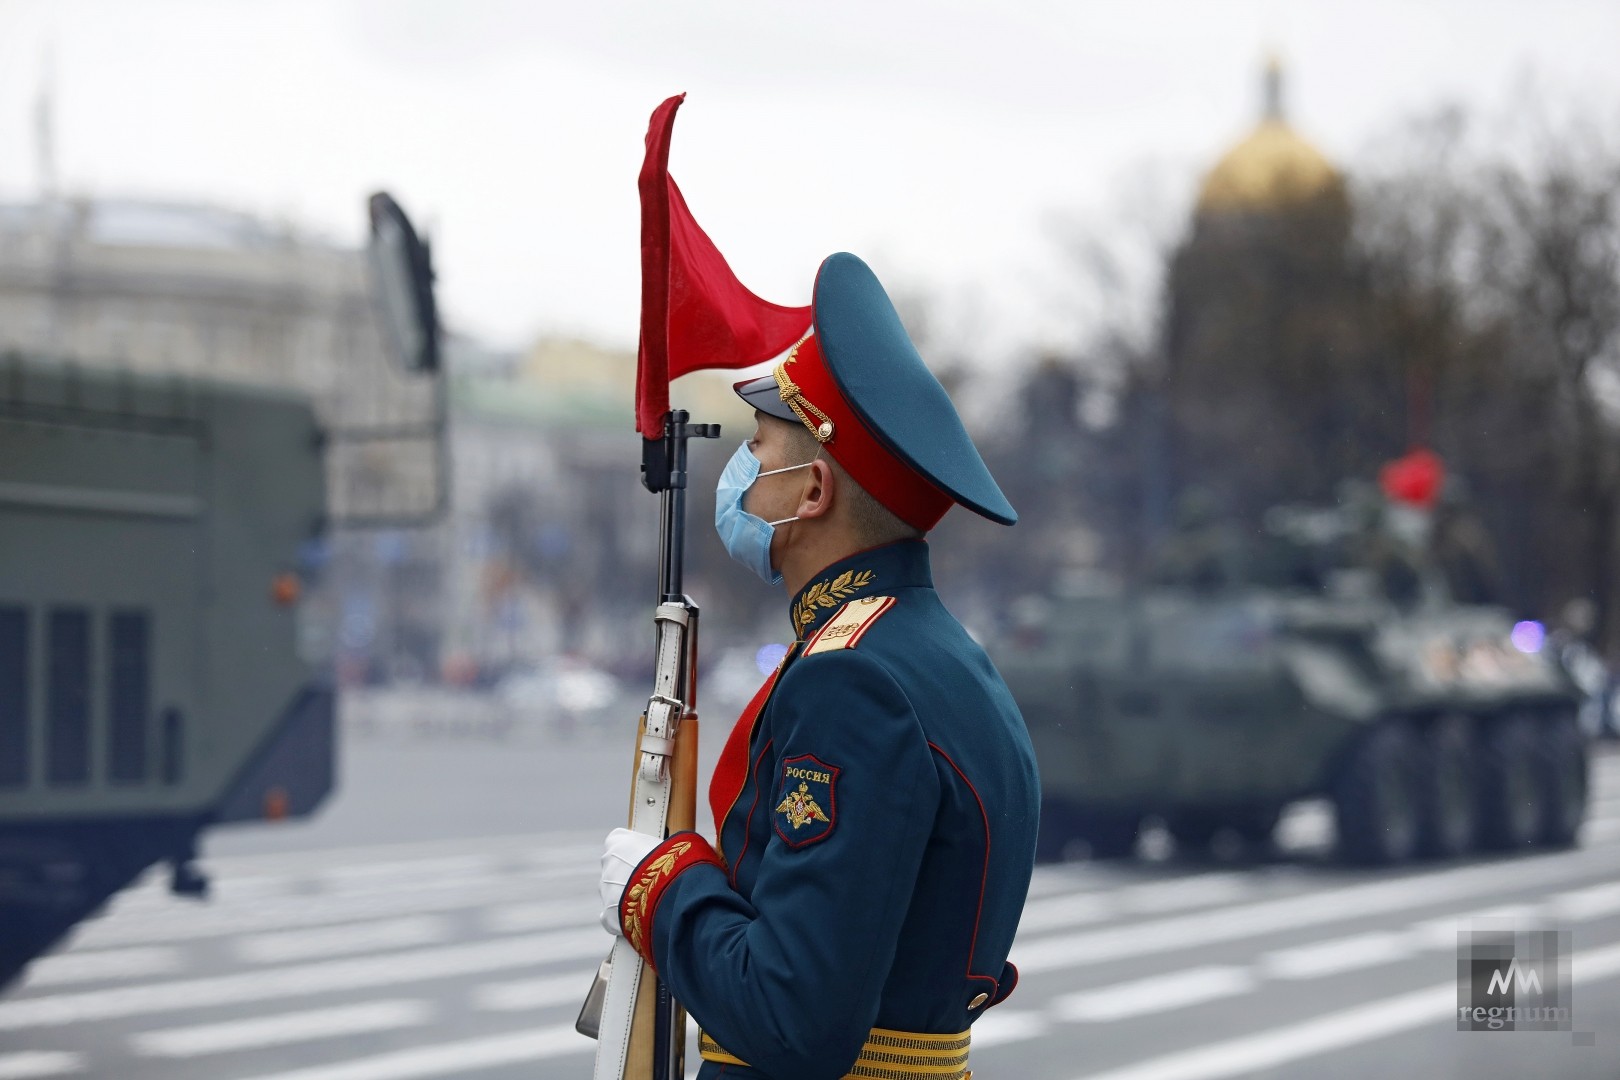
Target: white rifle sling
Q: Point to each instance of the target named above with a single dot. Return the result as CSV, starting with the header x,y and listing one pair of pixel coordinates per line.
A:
x,y
618,1011
664,708
650,815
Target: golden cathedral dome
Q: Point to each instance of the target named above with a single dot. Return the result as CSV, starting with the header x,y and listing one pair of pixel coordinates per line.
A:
x,y
1271,167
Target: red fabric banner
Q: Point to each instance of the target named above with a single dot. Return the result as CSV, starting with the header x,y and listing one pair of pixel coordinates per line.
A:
x,y
695,314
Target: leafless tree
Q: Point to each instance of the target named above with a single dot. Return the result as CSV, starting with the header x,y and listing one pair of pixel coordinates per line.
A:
x,y
1496,256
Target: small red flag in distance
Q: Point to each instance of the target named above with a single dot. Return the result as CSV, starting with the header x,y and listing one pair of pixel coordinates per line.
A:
x,y
1415,479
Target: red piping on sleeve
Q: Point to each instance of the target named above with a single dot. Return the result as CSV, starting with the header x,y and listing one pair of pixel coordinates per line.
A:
x,y
984,876
748,823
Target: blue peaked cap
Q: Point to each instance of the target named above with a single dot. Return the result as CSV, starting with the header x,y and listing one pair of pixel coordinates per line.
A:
x,y
876,369
881,375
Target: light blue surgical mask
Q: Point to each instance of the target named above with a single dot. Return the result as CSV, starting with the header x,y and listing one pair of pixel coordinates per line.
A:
x,y
747,537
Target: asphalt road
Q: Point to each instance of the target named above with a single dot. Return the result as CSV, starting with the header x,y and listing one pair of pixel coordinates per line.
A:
x,y
437,920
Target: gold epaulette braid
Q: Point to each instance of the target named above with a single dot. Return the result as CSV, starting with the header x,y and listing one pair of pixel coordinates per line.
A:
x,y
887,1055
795,399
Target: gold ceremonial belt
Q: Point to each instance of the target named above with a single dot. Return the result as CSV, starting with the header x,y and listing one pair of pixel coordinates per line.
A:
x,y
887,1055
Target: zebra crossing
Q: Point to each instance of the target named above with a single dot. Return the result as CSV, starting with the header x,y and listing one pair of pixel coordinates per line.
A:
x,y
470,958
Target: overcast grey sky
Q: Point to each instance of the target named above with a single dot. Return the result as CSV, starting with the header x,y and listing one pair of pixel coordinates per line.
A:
x,y
935,139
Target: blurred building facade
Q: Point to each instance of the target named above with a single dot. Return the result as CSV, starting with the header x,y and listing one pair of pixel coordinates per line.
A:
x,y
191,289
552,542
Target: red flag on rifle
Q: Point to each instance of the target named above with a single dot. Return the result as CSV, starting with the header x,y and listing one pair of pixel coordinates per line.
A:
x,y
695,314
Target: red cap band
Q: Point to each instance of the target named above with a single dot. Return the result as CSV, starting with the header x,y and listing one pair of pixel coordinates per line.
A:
x,y
900,488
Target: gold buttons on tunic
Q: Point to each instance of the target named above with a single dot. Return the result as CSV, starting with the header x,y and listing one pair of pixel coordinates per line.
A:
x,y
976,1002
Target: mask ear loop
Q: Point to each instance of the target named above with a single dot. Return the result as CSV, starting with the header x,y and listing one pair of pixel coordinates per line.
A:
x,y
790,468
786,468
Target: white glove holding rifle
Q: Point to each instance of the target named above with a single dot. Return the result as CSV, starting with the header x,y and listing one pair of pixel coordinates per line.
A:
x,y
622,852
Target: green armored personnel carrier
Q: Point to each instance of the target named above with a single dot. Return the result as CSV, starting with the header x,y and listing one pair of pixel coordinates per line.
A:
x,y
1433,728
151,685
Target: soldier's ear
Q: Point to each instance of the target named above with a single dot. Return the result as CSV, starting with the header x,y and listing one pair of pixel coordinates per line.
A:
x,y
819,486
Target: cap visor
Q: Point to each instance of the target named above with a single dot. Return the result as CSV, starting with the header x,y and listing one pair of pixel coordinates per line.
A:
x,y
764,394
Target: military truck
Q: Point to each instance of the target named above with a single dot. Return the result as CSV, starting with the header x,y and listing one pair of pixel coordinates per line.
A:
x,y
1433,728
151,684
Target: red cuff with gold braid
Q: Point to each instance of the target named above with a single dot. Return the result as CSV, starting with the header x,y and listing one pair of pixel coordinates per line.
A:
x,y
652,876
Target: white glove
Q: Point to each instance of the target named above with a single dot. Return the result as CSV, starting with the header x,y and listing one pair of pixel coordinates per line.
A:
x,y
622,852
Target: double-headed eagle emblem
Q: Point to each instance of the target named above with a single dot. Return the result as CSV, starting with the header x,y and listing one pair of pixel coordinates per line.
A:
x,y
800,808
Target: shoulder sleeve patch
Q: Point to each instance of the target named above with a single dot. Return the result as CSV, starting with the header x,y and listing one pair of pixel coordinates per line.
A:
x,y
808,806
844,630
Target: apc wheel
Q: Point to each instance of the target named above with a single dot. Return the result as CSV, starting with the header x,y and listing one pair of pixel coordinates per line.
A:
x,y
1106,834
1375,798
1193,831
1510,786
1447,796
1257,826
1249,830
1561,769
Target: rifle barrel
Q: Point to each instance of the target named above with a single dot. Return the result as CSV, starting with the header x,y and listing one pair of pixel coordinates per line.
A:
x,y
672,509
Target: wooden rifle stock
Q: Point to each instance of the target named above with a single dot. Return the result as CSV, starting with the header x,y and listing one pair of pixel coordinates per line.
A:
x,y
643,1052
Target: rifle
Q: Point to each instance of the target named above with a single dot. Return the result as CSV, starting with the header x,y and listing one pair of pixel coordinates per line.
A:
x,y
639,1027
695,315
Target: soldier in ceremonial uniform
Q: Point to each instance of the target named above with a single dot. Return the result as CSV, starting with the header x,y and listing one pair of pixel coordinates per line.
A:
x,y
876,804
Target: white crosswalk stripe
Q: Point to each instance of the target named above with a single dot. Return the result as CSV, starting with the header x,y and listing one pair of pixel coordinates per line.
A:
x,y
1441,933
1001,1026
1051,912
450,1058
320,910
527,994
1063,911
1164,993
1156,993
536,848
1244,1055
411,871
513,918
1200,890
350,871
285,946
200,1039
1351,953
1587,903
1266,917
113,964
38,1063
152,897
418,965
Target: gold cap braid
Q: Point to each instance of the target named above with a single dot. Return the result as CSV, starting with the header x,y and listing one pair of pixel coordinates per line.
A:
x,y
794,398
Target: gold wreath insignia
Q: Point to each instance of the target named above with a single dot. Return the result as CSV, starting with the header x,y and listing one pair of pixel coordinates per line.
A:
x,y
641,891
827,594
